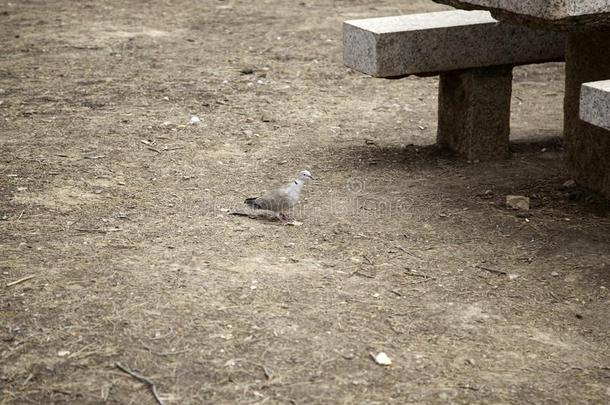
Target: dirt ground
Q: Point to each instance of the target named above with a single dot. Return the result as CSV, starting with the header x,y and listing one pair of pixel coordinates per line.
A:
x,y
118,208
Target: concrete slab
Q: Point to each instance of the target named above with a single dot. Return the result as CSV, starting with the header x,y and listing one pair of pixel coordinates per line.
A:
x,y
443,41
587,147
543,9
563,15
595,103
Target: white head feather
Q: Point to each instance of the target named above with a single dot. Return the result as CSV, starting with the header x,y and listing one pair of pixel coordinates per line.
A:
x,y
304,175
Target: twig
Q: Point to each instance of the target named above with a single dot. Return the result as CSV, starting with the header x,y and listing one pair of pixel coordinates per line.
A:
x,y
359,272
468,387
164,354
60,391
409,272
27,380
409,253
143,379
268,373
76,353
21,280
491,270
91,230
153,149
85,47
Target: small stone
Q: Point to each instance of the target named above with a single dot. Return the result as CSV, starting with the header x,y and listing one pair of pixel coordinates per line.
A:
x,y
63,353
518,202
195,120
382,359
555,274
569,184
266,118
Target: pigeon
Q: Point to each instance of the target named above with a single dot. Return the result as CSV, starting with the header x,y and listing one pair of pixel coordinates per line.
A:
x,y
282,199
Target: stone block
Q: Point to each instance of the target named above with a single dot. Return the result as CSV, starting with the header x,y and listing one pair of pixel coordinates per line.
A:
x,y
430,43
518,202
474,112
542,9
587,146
595,103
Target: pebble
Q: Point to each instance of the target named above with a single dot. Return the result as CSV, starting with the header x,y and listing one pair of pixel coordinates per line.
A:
x,y
518,202
569,184
382,359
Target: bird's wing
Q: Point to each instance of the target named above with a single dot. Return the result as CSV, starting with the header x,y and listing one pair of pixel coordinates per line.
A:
x,y
277,200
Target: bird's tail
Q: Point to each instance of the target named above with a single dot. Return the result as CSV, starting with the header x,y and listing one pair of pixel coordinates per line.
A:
x,y
251,202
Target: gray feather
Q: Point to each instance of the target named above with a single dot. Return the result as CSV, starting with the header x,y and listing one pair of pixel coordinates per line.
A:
x,y
281,199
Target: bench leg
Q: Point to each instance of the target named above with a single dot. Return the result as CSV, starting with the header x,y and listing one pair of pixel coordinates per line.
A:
x,y
474,112
587,147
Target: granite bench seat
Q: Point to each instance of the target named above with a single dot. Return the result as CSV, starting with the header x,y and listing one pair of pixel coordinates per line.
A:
x,y
474,56
595,103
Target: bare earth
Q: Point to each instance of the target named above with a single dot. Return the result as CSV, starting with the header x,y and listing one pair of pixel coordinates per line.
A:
x,y
118,207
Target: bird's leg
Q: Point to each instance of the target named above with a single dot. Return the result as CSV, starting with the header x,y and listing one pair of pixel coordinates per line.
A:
x,y
283,217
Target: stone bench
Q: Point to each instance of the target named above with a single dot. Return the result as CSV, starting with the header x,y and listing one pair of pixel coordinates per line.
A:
x,y
595,103
474,56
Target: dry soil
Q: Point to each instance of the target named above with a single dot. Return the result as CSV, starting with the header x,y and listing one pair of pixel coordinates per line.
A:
x,y
117,206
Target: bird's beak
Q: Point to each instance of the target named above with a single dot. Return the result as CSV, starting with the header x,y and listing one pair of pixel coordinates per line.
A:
x,y
311,177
